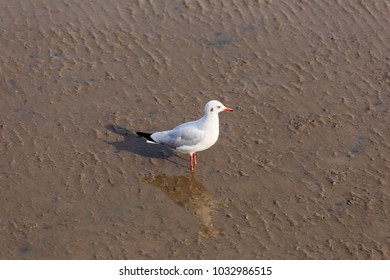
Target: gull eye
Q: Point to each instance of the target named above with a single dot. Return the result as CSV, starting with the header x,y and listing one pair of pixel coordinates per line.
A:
x,y
219,107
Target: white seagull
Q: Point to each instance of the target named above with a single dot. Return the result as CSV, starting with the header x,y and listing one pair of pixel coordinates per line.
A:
x,y
191,137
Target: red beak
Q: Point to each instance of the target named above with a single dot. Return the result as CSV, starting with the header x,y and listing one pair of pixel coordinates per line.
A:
x,y
228,110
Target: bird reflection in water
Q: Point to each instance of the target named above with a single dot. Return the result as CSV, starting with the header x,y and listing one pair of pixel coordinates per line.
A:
x,y
192,195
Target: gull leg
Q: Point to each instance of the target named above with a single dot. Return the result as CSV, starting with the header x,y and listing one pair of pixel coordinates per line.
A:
x,y
194,159
191,164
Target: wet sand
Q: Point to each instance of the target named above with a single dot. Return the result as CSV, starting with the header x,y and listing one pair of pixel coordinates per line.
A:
x,y
301,169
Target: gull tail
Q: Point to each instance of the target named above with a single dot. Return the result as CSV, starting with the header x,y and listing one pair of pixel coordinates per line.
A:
x,y
147,136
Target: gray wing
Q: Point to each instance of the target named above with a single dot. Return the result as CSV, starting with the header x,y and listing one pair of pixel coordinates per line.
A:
x,y
187,134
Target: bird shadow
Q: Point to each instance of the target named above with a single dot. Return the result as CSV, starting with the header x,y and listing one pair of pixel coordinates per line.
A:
x,y
134,144
194,197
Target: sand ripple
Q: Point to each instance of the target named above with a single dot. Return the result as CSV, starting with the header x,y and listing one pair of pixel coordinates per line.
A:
x,y
301,170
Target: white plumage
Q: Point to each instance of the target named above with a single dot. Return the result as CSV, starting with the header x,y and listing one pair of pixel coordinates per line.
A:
x,y
192,137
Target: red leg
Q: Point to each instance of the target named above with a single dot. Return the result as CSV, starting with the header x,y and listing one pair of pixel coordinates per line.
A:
x,y
191,165
194,159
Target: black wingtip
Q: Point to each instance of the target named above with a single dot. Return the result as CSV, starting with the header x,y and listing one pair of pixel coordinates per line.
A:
x,y
147,136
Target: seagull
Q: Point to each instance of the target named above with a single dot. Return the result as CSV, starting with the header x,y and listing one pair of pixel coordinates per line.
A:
x,y
191,137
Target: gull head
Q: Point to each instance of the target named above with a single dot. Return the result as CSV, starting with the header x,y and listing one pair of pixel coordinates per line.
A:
x,y
215,107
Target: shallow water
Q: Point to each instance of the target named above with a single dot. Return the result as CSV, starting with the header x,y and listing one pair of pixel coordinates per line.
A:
x,y
301,169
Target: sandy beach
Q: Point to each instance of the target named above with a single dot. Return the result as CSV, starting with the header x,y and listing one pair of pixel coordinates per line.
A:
x,y
302,166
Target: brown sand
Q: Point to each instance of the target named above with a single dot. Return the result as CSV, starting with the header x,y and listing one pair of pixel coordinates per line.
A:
x,y
301,169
